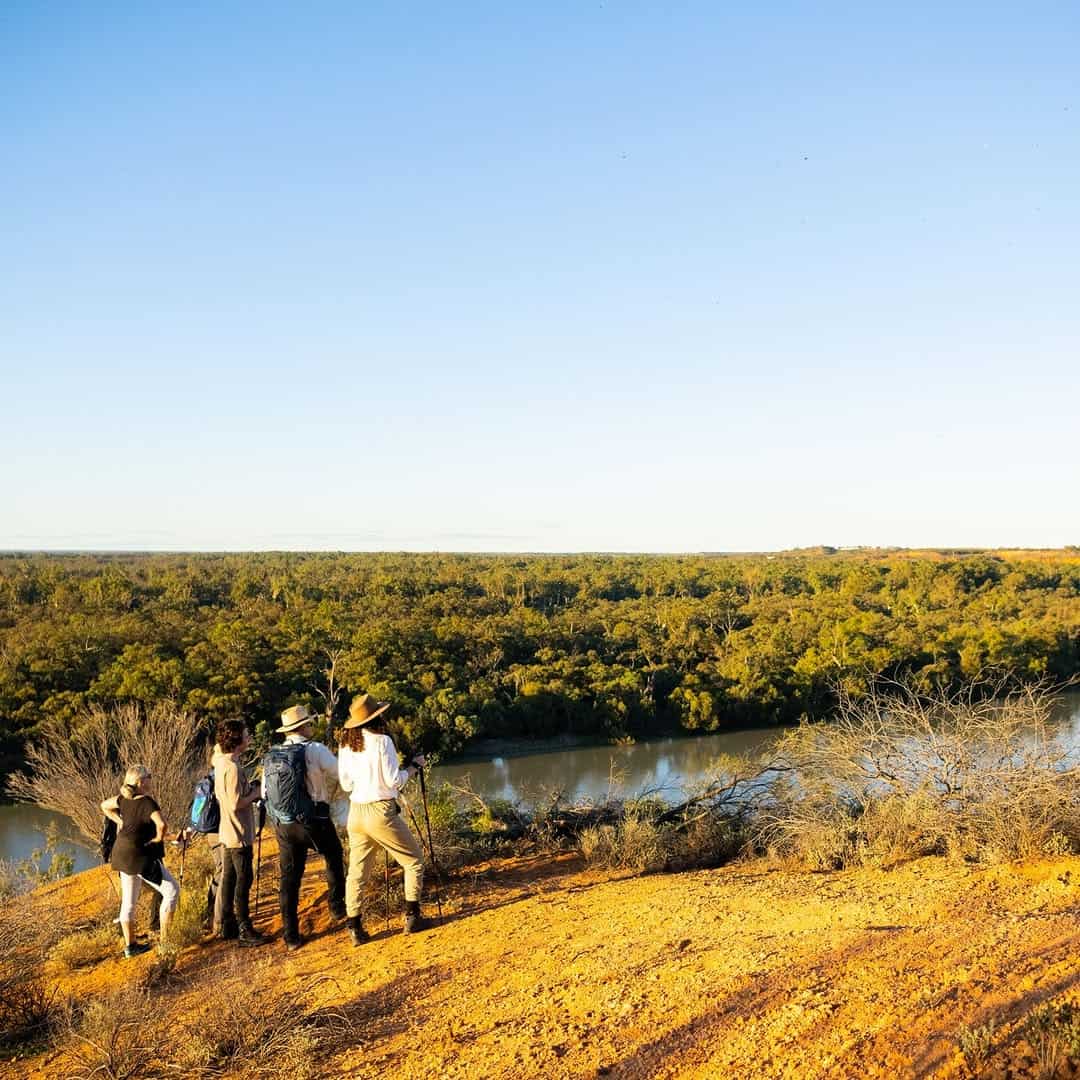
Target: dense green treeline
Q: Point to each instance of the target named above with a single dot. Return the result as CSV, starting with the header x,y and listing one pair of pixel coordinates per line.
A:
x,y
470,646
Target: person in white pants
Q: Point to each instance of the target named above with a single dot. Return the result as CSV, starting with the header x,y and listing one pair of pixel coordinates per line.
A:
x,y
139,853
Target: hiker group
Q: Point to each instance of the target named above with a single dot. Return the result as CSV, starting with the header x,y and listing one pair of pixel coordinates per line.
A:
x,y
303,793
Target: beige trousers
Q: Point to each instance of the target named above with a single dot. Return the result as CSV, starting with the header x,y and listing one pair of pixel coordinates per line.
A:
x,y
380,825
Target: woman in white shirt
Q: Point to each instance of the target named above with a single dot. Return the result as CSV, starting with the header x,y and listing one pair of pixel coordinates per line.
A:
x,y
369,770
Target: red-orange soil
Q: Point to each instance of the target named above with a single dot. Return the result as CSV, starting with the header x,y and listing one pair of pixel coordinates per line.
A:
x,y
543,969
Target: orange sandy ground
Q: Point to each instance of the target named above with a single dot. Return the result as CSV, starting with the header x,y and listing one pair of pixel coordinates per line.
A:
x,y
543,969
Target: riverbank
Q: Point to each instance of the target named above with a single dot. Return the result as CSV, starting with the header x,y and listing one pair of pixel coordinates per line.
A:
x,y
542,968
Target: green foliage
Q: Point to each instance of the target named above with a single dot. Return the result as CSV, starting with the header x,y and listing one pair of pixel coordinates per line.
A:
x,y
976,1044
617,647
1053,1031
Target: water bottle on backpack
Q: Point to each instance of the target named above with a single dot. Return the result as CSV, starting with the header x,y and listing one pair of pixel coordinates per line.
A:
x,y
205,813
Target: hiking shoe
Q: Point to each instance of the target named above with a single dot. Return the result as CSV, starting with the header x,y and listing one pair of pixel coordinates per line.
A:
x,y
248,936
293,943
339,914
228,932
414,921
136,948
356,930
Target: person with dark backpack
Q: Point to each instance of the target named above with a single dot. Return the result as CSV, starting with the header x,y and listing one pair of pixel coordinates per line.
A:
x,y
299,781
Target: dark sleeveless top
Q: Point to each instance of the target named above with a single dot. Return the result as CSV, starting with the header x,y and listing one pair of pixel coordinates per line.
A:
x,y
134,851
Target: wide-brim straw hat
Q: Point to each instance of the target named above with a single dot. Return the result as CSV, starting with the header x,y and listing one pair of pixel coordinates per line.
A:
x,y
297,717
364,709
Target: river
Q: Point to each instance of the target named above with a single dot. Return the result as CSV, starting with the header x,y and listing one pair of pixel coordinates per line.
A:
x,y
666,766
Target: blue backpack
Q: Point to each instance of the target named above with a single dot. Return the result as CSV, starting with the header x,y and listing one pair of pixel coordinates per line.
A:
x,y
205,812
285,785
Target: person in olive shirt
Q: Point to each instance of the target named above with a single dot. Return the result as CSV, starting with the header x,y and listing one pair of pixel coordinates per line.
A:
x,y
139,852
236,796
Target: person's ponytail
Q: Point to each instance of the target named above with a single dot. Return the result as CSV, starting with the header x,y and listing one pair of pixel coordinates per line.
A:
x,y
135,775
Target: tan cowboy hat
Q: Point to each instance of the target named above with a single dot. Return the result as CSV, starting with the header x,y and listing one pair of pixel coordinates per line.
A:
x,y
297,717
364,709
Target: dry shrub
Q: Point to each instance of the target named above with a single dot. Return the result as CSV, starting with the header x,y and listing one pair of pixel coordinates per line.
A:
x,y
118,1036
465,826
244,1031
12,879
72,771
647,833
896,773
240,1030
186,927
86,947
711,840
162,972
636,842
28,1003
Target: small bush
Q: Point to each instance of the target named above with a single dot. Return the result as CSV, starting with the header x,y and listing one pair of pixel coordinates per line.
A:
x,y
12,882
241,1030
161,973
1057,845
1053,1031
975,1045
245,1033
117,1037
186,927
497,816
28,1003
709,841
87,947
636,842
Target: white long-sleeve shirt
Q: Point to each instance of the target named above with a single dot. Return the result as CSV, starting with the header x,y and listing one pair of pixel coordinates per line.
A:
x,y
374,773
322,769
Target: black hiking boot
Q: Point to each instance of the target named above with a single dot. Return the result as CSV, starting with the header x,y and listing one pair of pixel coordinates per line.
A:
x,y
227,931
248,936
356,930
414,921
339,914
136,948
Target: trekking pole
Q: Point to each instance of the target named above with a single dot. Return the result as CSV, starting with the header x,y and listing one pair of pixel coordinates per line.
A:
x,y
425,846
184,838
431,842
386,868
258,853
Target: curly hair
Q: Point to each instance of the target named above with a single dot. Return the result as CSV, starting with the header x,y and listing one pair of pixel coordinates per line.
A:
x,y
353,738
230,734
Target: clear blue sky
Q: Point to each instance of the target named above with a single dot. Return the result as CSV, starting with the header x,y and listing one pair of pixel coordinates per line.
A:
x,y
553,276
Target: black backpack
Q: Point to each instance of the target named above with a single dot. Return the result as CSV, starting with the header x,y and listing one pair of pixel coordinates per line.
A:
x,y
285,785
